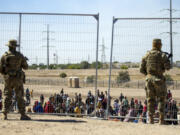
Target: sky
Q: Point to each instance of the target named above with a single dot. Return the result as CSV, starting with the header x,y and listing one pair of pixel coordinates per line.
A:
x,y
106,8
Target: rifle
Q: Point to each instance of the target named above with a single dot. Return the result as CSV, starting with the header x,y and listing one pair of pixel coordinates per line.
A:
x,y
26,58
169,55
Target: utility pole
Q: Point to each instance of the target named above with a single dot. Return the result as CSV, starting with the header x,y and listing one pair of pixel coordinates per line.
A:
x,y
171,34
170,29
19,39
47,44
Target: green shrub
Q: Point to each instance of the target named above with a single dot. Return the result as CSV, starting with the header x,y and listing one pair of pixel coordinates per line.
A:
x,y
33,66
135,66
84,65
42,66
62,66
63,75
90,79
100,65
123,77
52,66
73,66
124,67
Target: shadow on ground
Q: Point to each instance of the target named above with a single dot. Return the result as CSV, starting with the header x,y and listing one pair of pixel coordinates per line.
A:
x,y
48,120
63,121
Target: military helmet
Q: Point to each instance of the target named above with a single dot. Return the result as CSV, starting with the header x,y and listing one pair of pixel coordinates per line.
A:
x,y
12,43
157,43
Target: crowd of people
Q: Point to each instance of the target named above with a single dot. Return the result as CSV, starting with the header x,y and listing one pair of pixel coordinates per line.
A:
x,y
128,110
62,103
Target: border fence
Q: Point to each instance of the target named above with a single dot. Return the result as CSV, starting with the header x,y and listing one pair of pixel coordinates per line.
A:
x,y
76,38
52,40
131,37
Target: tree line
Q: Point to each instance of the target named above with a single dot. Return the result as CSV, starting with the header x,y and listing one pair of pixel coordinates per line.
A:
x,y
81,65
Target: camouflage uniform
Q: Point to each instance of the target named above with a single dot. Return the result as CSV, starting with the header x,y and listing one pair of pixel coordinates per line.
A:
x,y
153,65
11,65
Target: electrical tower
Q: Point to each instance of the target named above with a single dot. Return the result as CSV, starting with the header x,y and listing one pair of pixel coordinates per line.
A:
x,y
55,58
171,29
103,55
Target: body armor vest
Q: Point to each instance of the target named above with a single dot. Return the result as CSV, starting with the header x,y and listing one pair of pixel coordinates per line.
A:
x,y
13,63
154,63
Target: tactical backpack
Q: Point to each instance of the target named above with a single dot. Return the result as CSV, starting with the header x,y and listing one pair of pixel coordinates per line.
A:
x,y
154,63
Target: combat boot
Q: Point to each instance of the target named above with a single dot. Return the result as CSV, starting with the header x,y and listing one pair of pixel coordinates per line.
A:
x,y
161,120
4,116
25,117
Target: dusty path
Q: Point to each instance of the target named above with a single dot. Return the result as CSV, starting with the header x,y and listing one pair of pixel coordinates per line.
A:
x,y
55,125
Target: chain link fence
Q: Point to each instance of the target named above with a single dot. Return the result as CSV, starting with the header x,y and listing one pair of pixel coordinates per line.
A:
x,y
58,41
131,38
53,41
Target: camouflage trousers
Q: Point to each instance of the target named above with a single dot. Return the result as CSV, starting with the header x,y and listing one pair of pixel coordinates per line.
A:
x,y
10,84
156,91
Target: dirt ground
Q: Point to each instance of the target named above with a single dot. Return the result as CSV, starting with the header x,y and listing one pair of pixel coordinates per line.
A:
x,y
48,90
57,125
103,74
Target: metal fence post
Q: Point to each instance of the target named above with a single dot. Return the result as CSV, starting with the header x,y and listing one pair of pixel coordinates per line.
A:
x,y
19,38
110,69
97,45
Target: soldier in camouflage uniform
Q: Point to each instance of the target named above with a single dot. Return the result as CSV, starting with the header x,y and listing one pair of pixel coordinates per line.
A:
x,y
11,65
153,65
